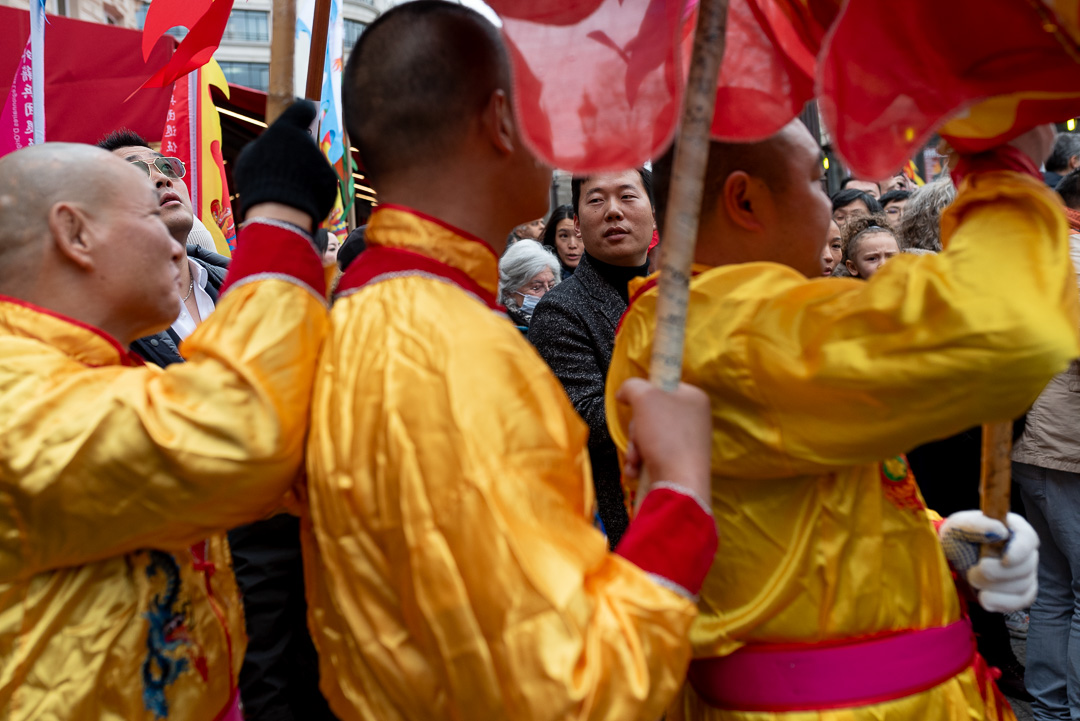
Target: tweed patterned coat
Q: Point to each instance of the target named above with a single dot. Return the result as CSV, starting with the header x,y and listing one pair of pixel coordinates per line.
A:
x,y
573,328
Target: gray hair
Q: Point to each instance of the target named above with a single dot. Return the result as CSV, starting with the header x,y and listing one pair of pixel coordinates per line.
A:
x,y
521,263
921,225
1066,145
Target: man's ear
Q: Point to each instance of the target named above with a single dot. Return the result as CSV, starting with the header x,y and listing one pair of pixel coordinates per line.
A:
x,y
1074,162
577,227
69,231
741,197
499,122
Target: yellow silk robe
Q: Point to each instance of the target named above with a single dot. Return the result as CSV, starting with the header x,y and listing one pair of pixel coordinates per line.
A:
x,y
818,385
453,571
101,460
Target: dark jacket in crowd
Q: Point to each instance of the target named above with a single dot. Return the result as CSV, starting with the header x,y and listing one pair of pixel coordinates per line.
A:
x,y
279,680
162,349
573,328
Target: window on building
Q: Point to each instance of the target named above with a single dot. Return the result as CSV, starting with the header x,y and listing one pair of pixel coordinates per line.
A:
x,y
250,26
251,75
353,30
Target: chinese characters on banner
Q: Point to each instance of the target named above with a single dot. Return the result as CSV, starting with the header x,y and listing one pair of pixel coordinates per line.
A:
x,y
17,120
192,122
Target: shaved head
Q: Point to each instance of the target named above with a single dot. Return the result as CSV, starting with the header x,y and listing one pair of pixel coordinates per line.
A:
x,y
34,179
416,79
763,201
81,234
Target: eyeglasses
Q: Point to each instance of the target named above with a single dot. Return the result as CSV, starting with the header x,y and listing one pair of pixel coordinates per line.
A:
x,y
539,288
171,168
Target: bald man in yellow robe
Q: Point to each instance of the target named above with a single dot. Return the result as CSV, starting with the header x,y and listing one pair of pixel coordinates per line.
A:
x,y
830,597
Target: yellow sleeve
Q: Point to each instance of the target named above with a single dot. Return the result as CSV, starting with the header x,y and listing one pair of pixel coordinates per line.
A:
x,y
811,374
98,462
480,497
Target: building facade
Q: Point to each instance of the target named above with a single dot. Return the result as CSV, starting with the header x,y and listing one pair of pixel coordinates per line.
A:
x,y
123,13
244,54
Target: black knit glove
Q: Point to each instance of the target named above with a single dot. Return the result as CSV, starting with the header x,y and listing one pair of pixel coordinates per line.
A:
x,y
284,165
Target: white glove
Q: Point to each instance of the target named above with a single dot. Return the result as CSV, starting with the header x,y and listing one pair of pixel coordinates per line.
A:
x,y
1008,583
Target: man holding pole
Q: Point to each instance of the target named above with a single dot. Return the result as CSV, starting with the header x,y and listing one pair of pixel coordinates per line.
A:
x,y
831,597
453,569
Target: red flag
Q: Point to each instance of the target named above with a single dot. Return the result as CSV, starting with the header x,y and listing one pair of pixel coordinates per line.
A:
x,y
891,75
599,84
767,74
206,22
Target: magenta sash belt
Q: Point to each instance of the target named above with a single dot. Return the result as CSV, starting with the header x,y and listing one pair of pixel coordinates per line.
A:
x,y
232,710
814,677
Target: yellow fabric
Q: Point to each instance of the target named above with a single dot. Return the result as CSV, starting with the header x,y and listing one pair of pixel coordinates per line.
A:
x,y
453,570
815,383
213,187
99,461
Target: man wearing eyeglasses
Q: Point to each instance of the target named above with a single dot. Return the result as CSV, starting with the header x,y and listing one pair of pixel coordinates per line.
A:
x,y
201,272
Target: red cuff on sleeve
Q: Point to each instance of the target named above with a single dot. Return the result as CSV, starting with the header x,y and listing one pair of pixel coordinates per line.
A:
x,y
672,538
269,249
1003,157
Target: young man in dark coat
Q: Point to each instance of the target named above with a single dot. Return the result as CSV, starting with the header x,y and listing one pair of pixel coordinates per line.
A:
x,y
573,327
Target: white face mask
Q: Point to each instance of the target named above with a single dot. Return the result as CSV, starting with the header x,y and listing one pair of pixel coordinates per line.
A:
x,y
528,302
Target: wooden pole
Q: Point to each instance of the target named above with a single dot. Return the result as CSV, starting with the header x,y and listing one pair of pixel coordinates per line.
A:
x,y
684,199
684,202
316,57
283,33
995,477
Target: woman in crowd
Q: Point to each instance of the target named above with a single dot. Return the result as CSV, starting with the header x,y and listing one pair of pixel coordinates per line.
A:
x,y
561,238
868,243
920,226
527,271
893,203
851,203
833,252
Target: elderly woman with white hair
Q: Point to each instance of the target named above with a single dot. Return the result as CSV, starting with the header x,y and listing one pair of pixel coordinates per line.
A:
x,y
527,271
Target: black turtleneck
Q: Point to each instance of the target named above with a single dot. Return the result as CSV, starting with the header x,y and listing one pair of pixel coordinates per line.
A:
x,y
618,276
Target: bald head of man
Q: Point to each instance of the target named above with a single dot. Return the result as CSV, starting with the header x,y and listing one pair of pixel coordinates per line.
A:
x,y
68,215
764,201
427,97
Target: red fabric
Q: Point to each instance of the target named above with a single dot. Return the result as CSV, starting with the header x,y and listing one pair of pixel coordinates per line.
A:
x,y
90,69
166,14
673,537
202,40
176,138
767,75
377,260
599,83
1074,219
892,74
779,678
602,93
1003,157
270,249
